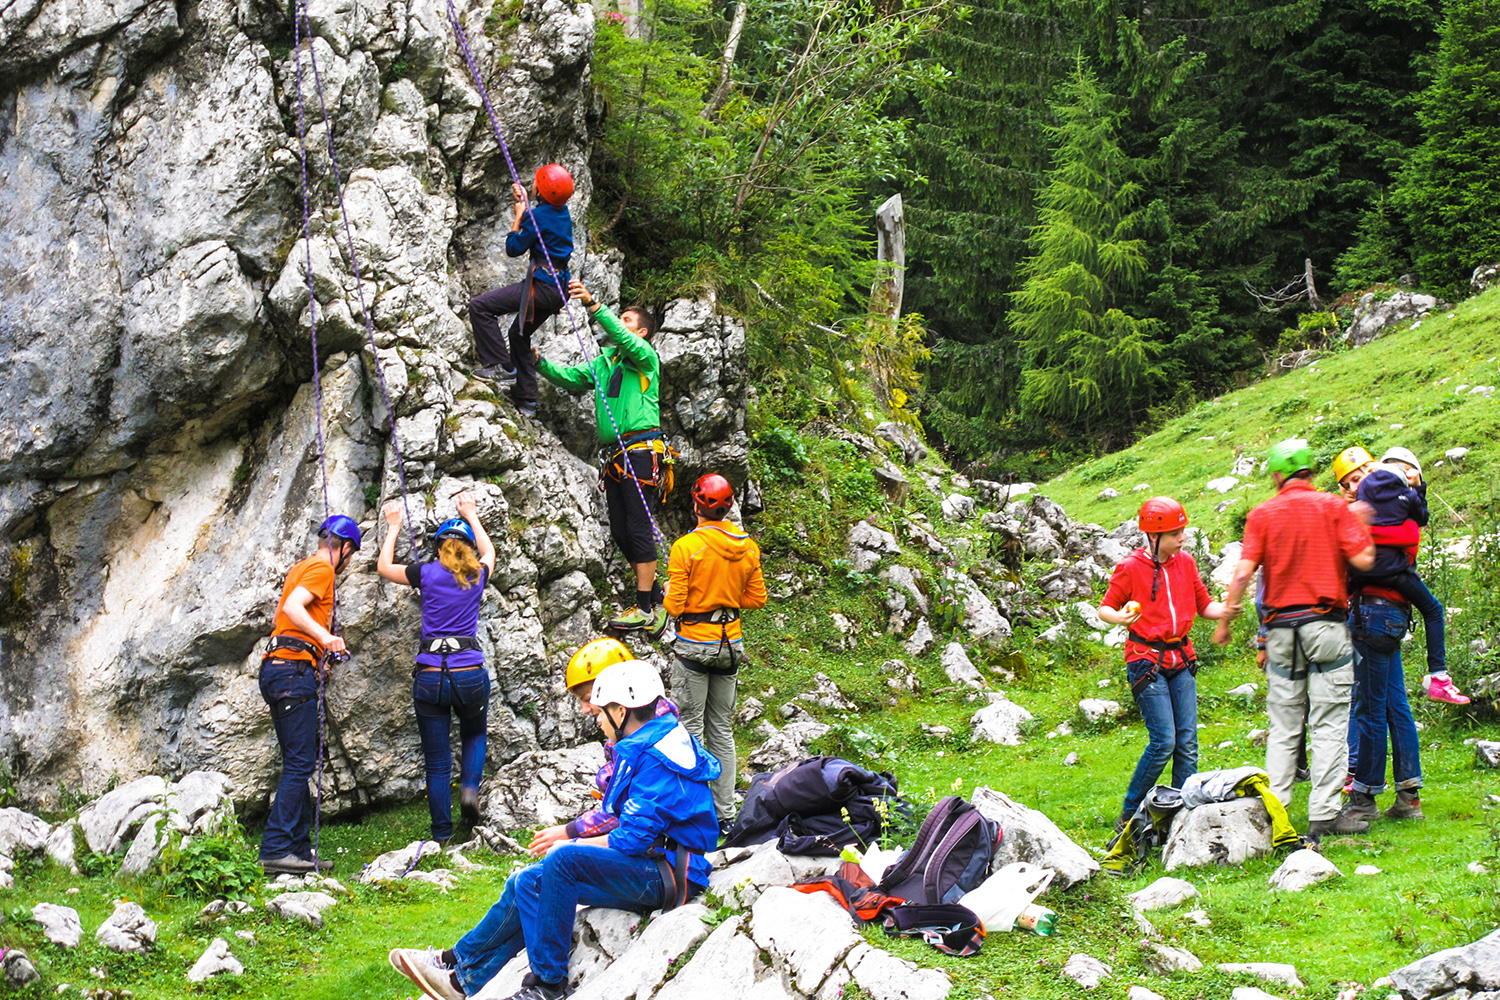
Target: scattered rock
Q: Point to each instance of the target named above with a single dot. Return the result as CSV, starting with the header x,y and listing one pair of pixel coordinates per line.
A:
x,y
1100,710
1270,972
1487,753
868,545
750,710
1258,737
886,977
246,936
1223,484
1163,893
1141,993
22,833
18,968
395,864
304,907
1367,870
959,668
981,618
60,845
1456,455
59,923
1163,960
905,438
1244,466
643,967
806,934
215,961
1251,993
1031,837
741,884
1000,722
1453,971
921,640
1302,869
110,821
1085,970
1246,690
128,930
1108,493
826,694
957,507
785,746
1200,917
1070,760
1375,317
1484,276
1218,833
542,788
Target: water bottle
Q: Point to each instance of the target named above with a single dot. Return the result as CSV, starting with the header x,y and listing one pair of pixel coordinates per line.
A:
x,y
1037,919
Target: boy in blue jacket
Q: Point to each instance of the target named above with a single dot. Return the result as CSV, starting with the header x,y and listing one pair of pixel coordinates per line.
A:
x,y
653,859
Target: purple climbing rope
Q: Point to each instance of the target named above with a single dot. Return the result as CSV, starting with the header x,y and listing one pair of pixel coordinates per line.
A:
x,y
484,97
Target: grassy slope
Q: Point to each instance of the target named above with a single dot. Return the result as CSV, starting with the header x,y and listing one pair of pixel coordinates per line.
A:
x,y
1354,397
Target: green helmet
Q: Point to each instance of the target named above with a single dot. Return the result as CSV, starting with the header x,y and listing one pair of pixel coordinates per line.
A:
x,y
1289,457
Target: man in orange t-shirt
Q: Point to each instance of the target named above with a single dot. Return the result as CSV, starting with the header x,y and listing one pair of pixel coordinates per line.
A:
x,y
1304,539
301,641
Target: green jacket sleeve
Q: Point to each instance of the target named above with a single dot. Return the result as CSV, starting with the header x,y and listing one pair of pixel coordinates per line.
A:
x,y
574,378
641,354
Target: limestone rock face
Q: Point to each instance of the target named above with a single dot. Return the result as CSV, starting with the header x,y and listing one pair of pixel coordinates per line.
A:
x,y
159,447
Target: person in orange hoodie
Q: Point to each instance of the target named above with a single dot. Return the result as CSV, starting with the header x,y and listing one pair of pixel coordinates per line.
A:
x,y
1157,592
714,574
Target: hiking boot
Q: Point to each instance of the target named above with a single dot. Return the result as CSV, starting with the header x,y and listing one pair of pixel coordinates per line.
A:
x,y
287,865
430,969
533,988
1406,806
1344,822
1301,775
319,865
1443,689
1361,804
496,374
631,621
468,805
658,623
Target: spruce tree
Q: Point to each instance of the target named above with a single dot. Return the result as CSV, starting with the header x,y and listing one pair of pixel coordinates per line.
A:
x,y
1088,362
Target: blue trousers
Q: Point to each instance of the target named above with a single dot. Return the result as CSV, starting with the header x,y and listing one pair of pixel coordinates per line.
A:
x,y
537,908
1381,707
464,692
1169,707
290,688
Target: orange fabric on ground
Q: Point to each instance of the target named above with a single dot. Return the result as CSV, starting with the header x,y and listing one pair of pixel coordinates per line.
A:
x,y
1304,540
716,565
315,575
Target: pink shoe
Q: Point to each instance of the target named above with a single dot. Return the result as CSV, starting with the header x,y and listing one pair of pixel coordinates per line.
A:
x,y
1349,783
1443,689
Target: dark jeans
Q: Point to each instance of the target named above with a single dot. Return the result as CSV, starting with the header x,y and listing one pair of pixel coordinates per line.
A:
x,y
290,688
1169,707
465,693
1410,586
537,909
514,349
1381,706
629,522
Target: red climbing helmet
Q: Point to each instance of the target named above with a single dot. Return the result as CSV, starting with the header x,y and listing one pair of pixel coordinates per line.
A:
x,y
1161,514
712,495
554,184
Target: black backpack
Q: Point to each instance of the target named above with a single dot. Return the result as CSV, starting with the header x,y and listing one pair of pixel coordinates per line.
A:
x,y
950,856
816,806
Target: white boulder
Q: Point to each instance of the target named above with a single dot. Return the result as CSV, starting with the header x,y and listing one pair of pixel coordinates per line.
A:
x,y
959,668
215,961
1218,833
302,907
1085,970
59,923
1031,837
1100,709
1163,893
1000,722
128,930
1270,972
1302,869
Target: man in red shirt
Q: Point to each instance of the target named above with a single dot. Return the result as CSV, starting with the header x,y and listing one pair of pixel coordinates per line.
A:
x,y
300,639
1304,539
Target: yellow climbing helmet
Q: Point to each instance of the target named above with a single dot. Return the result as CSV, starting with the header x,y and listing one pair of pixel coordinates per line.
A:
x,y
590,661
1350,459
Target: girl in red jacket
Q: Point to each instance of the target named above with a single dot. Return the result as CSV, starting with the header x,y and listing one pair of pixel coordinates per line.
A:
x,y
1156,591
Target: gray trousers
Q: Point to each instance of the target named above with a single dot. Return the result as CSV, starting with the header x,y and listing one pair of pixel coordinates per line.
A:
x,y
1325,663
706,702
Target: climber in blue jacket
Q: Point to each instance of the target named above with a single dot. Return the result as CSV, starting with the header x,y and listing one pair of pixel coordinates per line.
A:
x,y
653,859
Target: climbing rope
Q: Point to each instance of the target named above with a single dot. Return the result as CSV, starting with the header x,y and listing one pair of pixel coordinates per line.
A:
x,y
484,96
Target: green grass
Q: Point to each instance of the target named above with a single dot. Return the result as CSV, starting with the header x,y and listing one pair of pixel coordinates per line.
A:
x,y
1351,397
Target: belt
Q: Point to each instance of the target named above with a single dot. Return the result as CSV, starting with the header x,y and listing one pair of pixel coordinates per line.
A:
x,y
445,644
1385,601
292,642
718,616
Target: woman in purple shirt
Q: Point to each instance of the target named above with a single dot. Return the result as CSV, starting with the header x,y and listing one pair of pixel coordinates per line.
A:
x,y
449,676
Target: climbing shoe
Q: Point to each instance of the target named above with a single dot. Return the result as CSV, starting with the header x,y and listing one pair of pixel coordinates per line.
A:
x,y
658,623
1443,689
533,988
496,374
632,620
1406,806
430,969
288,865
1361,804
468,804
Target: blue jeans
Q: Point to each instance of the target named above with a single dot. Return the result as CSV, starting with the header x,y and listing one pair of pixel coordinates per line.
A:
x,y
465,692
290,688
1411,587
537,909
1169,707
1381,706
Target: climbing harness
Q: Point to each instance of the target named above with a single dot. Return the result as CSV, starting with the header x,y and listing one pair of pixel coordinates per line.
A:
x,y
615,463
463,43
1162,647
1294,618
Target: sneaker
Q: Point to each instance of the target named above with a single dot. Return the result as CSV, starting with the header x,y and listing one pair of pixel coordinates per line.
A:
x,y
496,374
468,805
631,621
427,968
526,408
1301,775
288,865
658,623
1443,689
1406,806
533,988
1362,804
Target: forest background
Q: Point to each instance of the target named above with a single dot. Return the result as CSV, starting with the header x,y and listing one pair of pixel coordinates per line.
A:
x,y
1095,192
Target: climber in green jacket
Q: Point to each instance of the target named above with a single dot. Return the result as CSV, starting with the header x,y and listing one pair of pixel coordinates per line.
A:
x,y
626,381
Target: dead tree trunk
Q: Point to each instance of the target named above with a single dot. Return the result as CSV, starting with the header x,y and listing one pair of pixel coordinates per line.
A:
x,y
731,48
890,230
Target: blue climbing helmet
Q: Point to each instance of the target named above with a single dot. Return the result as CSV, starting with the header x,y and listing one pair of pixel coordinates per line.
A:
x,y
456,527
340,526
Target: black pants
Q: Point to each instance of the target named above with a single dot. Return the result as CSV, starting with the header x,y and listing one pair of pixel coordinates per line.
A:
x,y
629,524
514,350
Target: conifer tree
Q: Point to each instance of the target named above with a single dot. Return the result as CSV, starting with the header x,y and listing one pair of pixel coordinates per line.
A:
x,y
1087,360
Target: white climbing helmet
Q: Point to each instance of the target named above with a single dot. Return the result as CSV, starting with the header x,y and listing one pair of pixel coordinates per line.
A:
x,y
1402,455
632,684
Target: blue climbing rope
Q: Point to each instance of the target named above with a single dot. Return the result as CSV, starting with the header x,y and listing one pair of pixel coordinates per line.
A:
x,y
484,96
